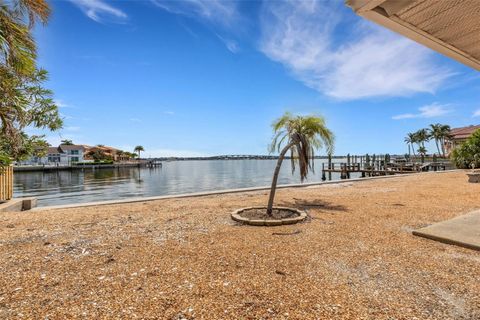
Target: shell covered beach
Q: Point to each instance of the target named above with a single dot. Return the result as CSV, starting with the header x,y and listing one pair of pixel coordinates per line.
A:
x,y
354,257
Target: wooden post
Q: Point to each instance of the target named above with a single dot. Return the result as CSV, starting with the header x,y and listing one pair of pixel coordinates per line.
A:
x,y
330,167
6,183
343,173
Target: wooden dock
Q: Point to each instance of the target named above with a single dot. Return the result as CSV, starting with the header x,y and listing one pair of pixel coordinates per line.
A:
x,y
367,166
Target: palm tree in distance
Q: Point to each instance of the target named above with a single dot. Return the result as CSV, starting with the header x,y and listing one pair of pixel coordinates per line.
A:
x,y
66,142
436,132
445,134
422,136
138,149
410,140
300,135
422,151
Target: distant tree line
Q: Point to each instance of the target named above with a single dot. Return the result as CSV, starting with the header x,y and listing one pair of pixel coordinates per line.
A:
x,y
437,132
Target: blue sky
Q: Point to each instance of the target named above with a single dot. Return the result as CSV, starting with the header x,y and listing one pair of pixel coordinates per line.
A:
x,y
209,77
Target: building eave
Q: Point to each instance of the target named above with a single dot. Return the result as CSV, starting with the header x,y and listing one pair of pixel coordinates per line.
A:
x,y
374,10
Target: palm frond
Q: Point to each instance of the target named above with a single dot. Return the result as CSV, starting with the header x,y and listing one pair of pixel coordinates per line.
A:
x,y
306,134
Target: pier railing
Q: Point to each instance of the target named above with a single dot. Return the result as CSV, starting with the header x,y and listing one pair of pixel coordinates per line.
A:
x,y
6,183
369,166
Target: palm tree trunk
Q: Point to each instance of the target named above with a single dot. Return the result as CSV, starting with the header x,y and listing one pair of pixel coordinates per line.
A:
x,y
275,177
443,147
438,148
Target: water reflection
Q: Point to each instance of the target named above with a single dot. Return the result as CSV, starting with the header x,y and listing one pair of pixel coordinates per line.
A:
x,y
174,177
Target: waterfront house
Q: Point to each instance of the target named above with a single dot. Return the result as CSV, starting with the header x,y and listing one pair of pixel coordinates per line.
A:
x,y
108,152
71,153
458,136
53,155
61,155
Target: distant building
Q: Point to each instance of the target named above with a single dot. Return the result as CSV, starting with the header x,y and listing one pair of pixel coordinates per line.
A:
x,y
61,155
71,153
66,154
458,136
112,153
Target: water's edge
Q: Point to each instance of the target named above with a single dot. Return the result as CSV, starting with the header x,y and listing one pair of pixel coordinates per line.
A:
x,y
227,191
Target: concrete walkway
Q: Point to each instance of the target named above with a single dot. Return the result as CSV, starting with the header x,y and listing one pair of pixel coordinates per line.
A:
x,y
462,231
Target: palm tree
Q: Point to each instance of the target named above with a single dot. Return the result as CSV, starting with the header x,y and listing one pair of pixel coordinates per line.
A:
x,y
24,103
422,136
435,132
302,136
410,140
18,49
422,151
445,134
67,142
138,149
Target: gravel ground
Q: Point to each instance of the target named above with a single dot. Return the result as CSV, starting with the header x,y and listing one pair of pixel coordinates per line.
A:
x,y
354,258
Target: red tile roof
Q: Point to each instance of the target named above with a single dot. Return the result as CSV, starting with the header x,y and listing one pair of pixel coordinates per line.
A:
x,y
463,132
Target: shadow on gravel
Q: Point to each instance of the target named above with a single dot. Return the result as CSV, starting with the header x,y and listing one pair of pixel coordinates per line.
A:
x,y
313,204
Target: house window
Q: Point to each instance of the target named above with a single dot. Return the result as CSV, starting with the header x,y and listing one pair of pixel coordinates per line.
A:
x,y
74,159
74,152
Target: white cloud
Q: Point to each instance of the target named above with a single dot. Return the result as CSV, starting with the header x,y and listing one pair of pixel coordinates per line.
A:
x,y
62,104
231,45
216,11
170,113
98,10
476,113
135,120
367,62
429,111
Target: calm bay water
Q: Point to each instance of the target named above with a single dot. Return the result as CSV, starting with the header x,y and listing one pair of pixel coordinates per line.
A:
x,y
176,177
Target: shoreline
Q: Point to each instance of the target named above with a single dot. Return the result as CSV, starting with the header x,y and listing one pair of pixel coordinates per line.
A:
x,y
225,191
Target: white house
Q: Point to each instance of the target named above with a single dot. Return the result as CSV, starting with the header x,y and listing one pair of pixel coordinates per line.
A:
x,y
71,153
61,155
